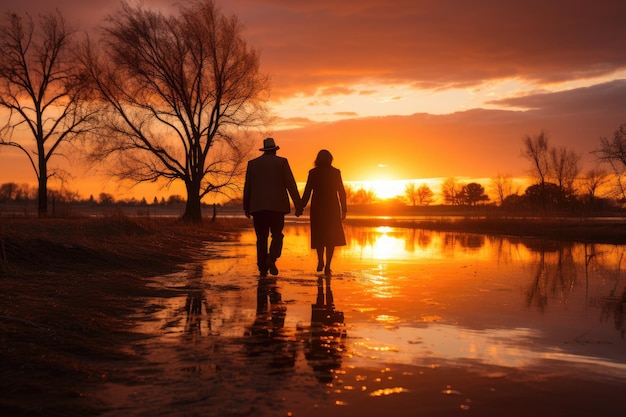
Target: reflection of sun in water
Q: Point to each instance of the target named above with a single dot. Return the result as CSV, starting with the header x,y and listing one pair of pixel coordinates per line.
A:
x,y
387,246
381,244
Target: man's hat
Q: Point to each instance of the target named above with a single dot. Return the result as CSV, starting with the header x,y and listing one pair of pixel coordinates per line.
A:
x,y
269,145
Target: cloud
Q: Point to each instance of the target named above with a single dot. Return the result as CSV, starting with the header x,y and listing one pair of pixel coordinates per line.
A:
x,y
429,44
433,44
84,15
294,122
336,90
476,143
600,97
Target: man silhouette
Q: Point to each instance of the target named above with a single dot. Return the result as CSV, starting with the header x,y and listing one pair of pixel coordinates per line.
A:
x,y
269,184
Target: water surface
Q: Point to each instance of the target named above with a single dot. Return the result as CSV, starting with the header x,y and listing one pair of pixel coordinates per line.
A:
x,y
411,322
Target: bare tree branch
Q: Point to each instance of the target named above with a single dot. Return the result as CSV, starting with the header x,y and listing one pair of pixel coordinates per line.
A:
x,y
180,90
612,151
43,91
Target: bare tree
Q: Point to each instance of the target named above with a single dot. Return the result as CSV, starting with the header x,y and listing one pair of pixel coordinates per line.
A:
x,y
552,167
565,167
359,196
502,186
421,195
425,195
180,90
451,191
612,151
410,192
42,90
593,181
536,151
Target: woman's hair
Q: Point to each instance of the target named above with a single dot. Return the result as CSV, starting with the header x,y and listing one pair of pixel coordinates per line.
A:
x,y
324,158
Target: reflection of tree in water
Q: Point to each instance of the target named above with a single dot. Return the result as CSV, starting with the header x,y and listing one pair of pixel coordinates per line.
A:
x,y
362,236
537,293
418,238
424,238
193,307
413,238
325,343
195,303
267,338
370,236
555,275
613,305
452,241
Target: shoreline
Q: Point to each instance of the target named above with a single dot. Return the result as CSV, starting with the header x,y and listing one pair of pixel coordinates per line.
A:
x,y
562,229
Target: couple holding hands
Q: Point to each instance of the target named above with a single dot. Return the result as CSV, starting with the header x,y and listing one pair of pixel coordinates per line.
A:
x,y
268,185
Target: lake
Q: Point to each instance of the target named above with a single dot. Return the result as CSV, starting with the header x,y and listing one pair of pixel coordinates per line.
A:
x,y
411,322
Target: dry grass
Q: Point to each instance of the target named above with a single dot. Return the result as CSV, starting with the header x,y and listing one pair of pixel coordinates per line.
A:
x,y
66,289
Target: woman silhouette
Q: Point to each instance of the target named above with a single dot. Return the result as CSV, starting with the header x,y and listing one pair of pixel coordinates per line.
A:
x,y
328,208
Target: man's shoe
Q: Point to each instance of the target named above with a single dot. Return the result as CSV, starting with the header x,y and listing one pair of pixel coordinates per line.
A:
x,y
271,265
263,273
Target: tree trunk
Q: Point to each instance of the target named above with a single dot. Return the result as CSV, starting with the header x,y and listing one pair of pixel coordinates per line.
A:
x,y
42,193
193,208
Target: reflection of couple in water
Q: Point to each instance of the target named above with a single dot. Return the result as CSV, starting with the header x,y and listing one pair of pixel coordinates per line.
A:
x,y
325,344
267,337
268,185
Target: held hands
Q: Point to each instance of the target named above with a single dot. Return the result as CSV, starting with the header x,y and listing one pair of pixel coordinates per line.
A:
x,y
299,209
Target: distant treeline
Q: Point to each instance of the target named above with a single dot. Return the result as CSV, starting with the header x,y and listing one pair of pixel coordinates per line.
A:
x,y
13,192
537,200
21,199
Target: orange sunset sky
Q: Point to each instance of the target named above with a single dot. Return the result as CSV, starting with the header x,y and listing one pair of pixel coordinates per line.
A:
x,y
411,89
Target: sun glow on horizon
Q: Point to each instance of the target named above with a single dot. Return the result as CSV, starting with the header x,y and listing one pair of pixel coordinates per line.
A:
x,y
385,189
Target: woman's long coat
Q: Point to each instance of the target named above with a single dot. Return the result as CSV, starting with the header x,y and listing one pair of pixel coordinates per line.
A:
x,y
328,205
